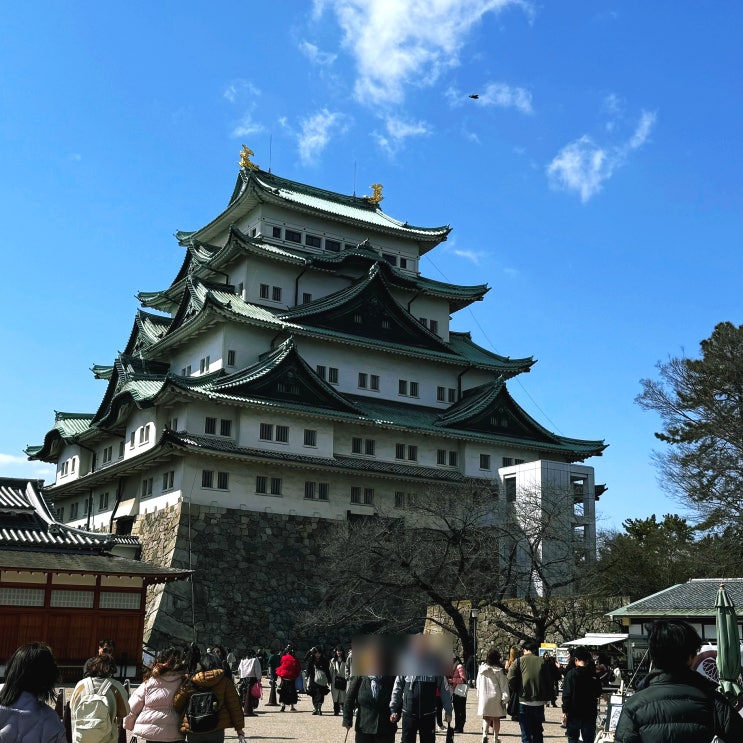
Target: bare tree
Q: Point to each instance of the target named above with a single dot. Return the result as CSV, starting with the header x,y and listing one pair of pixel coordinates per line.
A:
x,y
451,548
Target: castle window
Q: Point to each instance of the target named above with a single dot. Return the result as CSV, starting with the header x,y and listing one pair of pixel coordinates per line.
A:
x,y
282,434
323,490
313,241
423,321
414,389
333,375
413,453
402,387
261,484
403,262
322,371
369,446
263,291
207,478
74,510
355,494
168,479
108,452
309,490
374,382
440,456
332,245
518,461
433,326
223,480
230,358
266,432
510,488
399,451
241,290
210,425
293,236
453,458
484,461
60,513
358,319
357,445
306,298
399,499
385,324
173,424
121,449
441,394
275,486
147,487
391,259
368,496
289,388
508,461
204,364
103,501
276,294
276,232
131,441
452,394
363,378
310,437
225,427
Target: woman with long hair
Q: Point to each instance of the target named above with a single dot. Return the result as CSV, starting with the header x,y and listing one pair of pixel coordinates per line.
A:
x,y
287,673
25,716
153,716
338,679
492,694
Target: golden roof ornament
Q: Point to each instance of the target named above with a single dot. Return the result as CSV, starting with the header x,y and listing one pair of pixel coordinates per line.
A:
x,y
245,161
376,196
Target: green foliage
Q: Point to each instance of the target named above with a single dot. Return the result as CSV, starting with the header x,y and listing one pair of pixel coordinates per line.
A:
x,y
700,402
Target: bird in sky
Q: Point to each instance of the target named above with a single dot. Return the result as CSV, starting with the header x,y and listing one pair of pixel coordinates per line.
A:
x,y
474,96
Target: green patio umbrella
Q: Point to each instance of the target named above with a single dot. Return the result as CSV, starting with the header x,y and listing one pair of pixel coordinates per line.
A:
x,y
728,645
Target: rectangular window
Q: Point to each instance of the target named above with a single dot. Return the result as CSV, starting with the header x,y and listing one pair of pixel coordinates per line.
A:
x,y
168,478
363,380
293,236
333,375
282,434
423,321
453,459
207,479
264,291
173,424
210,425
310,437
332,245
276,232
230,358
403,262
355,494
72,599
369,446
261,484
266,432
368,496
413,453
103,501
391,259
484,461
204,364
121,449
510,488
73,461
275,486
357,445
276,294
223,480
60,513
225,427
518,461
441,394
74,510
507,461
399,451
399,499
440,456
414,389
113,600
313,241
374,382
146,487
188,371
141,434
108,453
402,387
452,394
86,506
306,297
322,371
323,491
241,290
433,326
358,318
309,490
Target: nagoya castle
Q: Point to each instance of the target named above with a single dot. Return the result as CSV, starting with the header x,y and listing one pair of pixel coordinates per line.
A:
x,y
298,372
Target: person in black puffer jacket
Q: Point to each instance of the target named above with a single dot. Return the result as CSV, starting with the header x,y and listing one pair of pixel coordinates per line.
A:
x,y
678,705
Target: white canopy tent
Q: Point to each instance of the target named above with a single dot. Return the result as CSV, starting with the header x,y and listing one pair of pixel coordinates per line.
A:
x,y
595,639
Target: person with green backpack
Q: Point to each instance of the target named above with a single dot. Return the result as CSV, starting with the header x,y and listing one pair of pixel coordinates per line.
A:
x,y
209,703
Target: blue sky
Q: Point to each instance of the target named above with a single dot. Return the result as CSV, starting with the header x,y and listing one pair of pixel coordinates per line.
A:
x,y
595,184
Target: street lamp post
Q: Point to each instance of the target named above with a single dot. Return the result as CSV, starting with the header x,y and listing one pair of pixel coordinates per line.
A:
x,y
474,613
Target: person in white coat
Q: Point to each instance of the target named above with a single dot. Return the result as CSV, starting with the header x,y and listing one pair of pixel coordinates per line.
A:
x,y
152,716
25,716
492,694
250,673
338,680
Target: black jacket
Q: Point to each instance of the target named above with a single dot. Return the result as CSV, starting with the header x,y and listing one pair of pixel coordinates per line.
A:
x,y
580,693
678,707
373,715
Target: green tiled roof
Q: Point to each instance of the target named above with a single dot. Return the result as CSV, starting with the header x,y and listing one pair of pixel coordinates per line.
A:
x,y
695,598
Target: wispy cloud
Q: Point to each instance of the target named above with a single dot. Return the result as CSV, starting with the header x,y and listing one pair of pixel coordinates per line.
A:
x,y
244,93
316,132
583,166
396,131
397,43
240,89
316,55
506,96
13,465
470,255
247,126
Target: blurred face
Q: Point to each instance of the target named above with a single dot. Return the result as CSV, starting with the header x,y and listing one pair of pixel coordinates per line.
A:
x,y
318,654
105,649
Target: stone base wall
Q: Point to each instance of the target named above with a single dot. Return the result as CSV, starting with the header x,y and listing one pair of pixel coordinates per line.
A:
x,y
254,573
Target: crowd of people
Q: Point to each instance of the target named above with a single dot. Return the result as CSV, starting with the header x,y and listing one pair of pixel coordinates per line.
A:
x,y
375,688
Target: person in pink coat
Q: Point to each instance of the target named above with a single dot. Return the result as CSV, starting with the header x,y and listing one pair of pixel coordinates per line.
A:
x,y
152,716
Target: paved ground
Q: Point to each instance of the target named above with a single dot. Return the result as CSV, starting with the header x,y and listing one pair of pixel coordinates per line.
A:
x,y
272,725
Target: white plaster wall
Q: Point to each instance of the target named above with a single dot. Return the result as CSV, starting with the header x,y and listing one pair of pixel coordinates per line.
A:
x,y
209,343
249,433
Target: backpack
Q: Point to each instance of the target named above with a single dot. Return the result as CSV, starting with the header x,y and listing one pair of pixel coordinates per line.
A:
x,y
203,712
93,715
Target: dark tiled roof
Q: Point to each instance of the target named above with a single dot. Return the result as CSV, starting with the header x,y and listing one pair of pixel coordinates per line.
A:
x,y
64,562
695,598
